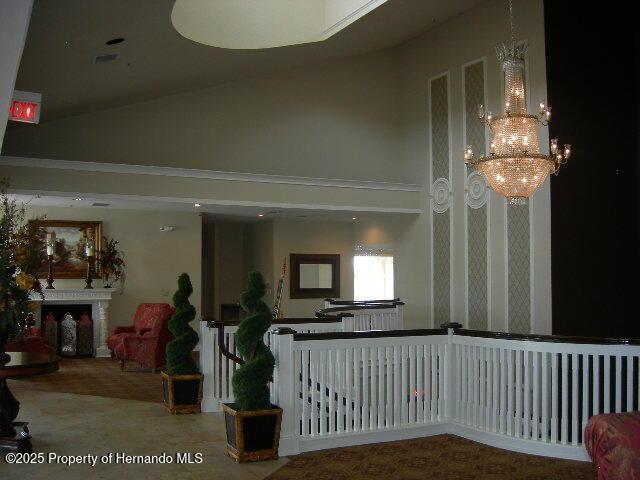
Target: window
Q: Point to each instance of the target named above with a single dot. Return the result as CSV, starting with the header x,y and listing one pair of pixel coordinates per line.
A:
x,y
373,277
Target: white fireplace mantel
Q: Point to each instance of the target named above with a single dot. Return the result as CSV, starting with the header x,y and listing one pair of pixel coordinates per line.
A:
x,y
98,298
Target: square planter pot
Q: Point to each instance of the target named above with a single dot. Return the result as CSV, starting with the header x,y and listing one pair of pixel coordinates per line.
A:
x,y
182,393
252,435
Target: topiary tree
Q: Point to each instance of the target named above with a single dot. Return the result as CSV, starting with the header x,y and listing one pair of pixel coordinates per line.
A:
x,y
179,359
251,380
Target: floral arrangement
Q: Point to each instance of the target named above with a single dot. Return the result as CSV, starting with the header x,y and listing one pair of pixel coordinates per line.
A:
x,y
18,269
111,262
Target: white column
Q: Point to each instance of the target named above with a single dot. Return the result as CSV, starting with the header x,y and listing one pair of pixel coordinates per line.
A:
x,y
14,23
103,315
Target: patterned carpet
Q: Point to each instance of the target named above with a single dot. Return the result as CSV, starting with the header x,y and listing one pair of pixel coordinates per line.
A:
x,y
100,377
442,457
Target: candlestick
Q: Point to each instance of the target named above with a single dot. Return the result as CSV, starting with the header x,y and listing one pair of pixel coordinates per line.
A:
x,y
50,274
89,279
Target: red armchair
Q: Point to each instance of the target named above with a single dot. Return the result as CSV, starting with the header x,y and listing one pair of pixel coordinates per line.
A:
x,y
145,340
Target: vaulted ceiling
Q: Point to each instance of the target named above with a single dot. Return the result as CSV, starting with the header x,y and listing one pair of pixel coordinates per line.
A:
x,y
154,60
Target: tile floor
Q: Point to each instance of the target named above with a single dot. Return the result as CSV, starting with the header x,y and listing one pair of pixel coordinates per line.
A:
x,y
71,424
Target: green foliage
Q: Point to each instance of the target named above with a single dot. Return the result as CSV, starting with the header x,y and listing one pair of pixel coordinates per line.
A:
x,y
18,267
251,380
179,358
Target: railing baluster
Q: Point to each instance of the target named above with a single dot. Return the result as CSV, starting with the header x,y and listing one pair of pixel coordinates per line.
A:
x,y
331,382
373,410
482,396
381,387
554,398
323,392
607,384
434,383
595,406
476,390
304,387
544,400
464,388
565,399
629,404
410,390
496,384
427,383
535,422
366,377
618,383
440,371
585,391
349,365
526,427
404,389
340,386
510,389
357,407
574,398
518,392
420,388
503,390
315,368
392,393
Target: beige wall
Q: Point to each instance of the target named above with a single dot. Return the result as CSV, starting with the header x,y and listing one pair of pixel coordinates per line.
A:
x,y
336,120
293,236
153,259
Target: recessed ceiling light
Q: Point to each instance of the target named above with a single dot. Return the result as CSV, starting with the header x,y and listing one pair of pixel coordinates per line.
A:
x,y
354,218
197,205
77,199
114,41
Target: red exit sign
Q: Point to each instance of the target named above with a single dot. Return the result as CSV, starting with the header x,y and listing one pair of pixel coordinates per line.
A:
x,y
25,107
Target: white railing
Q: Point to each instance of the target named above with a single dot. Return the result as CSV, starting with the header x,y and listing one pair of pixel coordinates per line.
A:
x,y
373,315
533,396
343,317
218,369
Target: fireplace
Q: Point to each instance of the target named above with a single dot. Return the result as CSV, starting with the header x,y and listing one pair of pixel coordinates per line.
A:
x,y
68,329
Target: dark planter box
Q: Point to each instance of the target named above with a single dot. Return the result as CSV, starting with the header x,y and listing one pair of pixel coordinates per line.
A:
x,y
182,393
252,435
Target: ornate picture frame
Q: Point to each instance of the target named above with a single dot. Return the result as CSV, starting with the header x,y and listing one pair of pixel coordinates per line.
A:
x,y
71,236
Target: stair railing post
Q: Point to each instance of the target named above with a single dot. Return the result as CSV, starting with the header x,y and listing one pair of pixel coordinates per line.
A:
x,y
449,370
283,391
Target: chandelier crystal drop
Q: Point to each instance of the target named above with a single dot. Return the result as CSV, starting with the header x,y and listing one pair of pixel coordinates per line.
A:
x,y
515,167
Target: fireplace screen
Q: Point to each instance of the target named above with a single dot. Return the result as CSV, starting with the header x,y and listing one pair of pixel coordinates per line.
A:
x,y
69,329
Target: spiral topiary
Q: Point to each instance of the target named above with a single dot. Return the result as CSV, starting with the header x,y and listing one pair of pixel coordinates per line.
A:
x,y
251,380
179,359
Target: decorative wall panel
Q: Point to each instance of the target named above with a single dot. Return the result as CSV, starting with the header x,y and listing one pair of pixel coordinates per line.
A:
x,y
441,198
477,267
519,269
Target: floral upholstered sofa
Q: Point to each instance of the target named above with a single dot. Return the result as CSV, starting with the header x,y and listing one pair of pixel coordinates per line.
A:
x,y
613,443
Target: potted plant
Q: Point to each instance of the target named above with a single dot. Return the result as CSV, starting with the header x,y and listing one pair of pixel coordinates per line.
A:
x,y
182,381
18,267
252,422
111,262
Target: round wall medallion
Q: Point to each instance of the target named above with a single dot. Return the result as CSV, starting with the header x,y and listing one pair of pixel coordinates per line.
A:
x,y
441,192
476,190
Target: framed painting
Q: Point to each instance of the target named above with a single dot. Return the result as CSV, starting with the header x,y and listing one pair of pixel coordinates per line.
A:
x,y
68,253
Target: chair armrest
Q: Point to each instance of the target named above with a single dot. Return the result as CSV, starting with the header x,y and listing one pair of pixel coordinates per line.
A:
x,y
130,329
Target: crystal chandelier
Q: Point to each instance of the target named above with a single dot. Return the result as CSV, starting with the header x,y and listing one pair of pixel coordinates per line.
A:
x,y
515,168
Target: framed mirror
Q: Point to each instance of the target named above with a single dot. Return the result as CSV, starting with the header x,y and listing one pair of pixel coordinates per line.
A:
x,y
314,275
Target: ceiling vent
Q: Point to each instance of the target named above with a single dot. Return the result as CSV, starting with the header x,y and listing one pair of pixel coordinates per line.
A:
x,y
98,204
105,58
